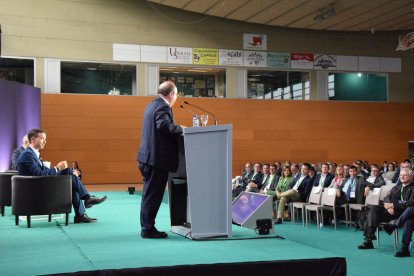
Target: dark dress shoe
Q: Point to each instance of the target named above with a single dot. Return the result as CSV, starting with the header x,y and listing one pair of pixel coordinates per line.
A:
x,y
366,245
153,234
84,219
402,253
389,228
278,221
94,201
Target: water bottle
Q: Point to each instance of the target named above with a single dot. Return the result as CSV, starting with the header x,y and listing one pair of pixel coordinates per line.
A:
x,y
321,226
195,121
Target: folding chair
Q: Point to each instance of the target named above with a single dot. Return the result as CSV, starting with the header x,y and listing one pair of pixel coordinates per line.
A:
x,y
372,198
313,202
328,202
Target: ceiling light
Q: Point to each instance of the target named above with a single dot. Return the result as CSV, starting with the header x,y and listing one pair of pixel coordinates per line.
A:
x,y
325,13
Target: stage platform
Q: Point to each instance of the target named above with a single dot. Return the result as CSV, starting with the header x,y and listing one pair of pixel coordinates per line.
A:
x,y
113,244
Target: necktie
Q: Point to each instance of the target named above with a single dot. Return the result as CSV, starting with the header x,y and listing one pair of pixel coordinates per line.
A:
x,y
41,162
348,192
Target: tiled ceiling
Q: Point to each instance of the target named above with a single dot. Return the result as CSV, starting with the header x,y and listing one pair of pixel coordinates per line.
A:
x,y
339,15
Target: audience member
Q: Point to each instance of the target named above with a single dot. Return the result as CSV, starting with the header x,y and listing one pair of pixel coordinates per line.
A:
x,y
272,181
295,170
399,199
389,174
30,164
257,186
339,178
76,168
375,180
16,152
384,167
346,170
256,178
332,168
299,190
405,164
283,184
352,189
324,179
245,178
406,221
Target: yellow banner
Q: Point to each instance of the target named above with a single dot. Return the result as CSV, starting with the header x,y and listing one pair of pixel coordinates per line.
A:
x,y
205,56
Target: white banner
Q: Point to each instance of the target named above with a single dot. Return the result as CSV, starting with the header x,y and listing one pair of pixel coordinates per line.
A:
x,y
255,58
231,57
179,55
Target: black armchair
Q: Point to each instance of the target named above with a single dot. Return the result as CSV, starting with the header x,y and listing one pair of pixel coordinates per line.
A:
x,y
41,195
5,189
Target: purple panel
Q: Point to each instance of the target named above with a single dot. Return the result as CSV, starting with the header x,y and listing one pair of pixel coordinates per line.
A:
x,y
19,112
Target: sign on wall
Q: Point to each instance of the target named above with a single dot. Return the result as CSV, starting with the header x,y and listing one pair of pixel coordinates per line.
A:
x,y
324,62
255,58
255,42
278,60
205,56
301,61
231,57
179,55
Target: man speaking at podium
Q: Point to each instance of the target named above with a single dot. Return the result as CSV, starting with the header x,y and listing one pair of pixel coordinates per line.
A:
x,y
157,155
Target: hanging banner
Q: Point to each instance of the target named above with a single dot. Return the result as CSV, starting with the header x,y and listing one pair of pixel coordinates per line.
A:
x,y
205,56
255,42
231,57
278,60
301,61
179,55
324,62
254,58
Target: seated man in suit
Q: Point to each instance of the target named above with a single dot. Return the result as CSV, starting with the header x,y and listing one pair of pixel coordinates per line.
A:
x,y
325,178
16,152
406,221
396,202
256,178
299,191
244,179
374,180
30,164
272,180
255,187
352,189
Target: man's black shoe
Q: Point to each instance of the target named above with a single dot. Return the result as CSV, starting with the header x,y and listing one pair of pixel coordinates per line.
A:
x,y
278,221
153,234
94,201
84,219
366,245
402,253
389,228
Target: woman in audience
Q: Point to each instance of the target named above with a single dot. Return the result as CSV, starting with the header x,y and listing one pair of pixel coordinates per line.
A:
x,y
339,177
389,175
283,184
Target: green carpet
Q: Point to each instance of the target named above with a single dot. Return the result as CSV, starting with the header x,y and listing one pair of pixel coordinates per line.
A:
x,y
114,242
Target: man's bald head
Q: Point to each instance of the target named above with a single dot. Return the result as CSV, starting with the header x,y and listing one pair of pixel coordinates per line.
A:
x,y
166,88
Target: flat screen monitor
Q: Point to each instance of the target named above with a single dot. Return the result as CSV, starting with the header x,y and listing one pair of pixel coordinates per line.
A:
x,y
245,205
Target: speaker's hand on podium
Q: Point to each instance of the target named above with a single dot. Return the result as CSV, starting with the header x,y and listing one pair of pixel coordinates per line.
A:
x,y
183,126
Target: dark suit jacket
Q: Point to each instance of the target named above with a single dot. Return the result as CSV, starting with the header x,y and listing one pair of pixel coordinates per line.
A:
x,y
15,155
257,179
395,197
304,188
246,178
28,164
360,185
159,139
379,181
326,182
274,182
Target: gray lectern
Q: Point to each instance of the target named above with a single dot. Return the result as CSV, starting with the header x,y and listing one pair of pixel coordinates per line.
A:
x,y
200,191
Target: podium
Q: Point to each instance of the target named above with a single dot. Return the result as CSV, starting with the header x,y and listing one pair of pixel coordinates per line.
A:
x,y
200,190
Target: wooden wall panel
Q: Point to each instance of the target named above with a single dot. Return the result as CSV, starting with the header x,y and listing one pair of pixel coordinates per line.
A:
x,y
102,132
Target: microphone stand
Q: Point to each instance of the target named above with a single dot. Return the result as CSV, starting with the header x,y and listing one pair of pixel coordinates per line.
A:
x,y
214,116
198,118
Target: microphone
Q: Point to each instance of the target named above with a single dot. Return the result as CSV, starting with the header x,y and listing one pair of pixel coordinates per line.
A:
x,y
214,116
189,111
